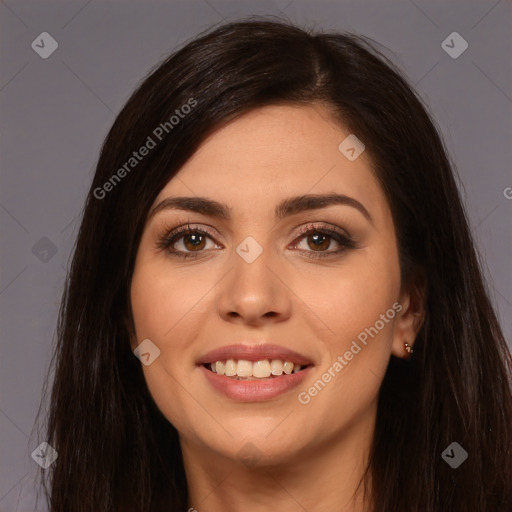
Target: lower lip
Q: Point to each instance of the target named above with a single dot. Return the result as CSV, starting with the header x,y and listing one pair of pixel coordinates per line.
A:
x,y
254,390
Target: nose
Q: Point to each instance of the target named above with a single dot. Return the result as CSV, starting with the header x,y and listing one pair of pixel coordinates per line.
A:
x,y
255,291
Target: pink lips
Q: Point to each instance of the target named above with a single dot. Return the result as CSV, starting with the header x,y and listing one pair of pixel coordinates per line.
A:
x,y
254,390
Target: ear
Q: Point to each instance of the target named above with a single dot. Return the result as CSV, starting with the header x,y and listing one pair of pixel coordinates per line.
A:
x,y
409,319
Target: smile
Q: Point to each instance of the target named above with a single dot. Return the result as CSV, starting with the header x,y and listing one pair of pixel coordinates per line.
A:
x,y
254,372
242,369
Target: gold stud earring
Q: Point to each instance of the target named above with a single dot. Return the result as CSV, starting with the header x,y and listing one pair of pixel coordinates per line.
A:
x,y
408,348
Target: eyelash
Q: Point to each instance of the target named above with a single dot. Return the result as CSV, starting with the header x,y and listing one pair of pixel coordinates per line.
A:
x,y
166,241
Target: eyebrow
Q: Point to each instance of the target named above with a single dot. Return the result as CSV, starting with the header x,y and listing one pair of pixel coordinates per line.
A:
x,y
286,208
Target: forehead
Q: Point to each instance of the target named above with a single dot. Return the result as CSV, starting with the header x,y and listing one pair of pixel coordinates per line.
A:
x,y
275,152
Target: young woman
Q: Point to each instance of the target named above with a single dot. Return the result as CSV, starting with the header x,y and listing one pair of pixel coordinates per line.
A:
x,y
275,302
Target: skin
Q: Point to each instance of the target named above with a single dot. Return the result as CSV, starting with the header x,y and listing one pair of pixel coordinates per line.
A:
x,y
310,456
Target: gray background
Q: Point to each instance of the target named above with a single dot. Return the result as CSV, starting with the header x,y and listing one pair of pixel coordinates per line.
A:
x,y
55,113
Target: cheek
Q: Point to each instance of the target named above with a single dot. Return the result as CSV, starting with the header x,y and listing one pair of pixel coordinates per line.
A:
x,y
353,295
360,314
167,316
164,301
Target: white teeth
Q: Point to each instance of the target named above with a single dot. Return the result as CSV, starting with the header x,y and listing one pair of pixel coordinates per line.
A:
x,y
276,367
288,367
262,369
219,367
230,368
244,368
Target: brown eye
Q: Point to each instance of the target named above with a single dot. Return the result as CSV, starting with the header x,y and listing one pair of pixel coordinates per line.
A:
x,y
186,242
318,240
193,241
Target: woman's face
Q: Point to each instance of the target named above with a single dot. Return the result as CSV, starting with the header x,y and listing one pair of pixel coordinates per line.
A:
x,y
318,280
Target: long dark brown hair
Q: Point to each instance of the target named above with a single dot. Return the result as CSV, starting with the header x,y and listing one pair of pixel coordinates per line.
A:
x,y
116,451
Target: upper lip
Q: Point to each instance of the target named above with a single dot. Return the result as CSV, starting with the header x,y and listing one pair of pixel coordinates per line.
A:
x,y
254,353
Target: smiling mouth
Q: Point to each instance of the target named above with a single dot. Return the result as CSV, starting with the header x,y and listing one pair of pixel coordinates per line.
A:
x,y
242,369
